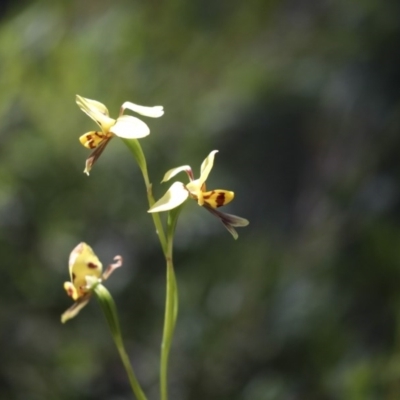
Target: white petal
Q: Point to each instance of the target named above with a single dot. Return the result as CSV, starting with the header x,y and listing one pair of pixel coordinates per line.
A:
x,y
206,167
91,281
129,127
174,197
153,112
174,171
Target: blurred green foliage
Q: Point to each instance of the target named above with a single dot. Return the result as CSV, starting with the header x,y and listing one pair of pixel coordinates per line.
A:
x,y
302,99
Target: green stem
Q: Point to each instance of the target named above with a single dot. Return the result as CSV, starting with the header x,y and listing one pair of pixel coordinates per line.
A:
x,y
171,304
131,375
136,149
110,312
169,325
156,216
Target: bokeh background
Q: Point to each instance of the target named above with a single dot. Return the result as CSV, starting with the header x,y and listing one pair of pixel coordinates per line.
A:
x,y
302,99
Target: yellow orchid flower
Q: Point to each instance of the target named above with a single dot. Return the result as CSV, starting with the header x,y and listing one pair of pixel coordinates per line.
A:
x,y
196,189
125,126
85,270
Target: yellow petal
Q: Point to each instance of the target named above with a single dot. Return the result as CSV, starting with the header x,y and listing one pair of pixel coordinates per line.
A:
x,y
83,262
206,167
88,105
97,111
218,198
92,139
174,197
129,127
195,189
104,122
75,308
174,171
71,290
153,112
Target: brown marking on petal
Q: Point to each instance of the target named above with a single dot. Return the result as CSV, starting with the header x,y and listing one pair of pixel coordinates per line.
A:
x,y
220,200
92,139
70,292
91,143
190,174
82,290
73,277
96,153
92,265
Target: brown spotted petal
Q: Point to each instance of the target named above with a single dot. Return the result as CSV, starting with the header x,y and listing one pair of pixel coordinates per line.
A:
x,y
112,267
75,308
229,221
95,154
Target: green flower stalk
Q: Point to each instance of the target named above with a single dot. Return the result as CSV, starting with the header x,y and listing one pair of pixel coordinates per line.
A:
x,y
171,304
110,312
86,269
137,152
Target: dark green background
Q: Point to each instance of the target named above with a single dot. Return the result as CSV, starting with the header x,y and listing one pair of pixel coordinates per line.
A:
x,y
302,99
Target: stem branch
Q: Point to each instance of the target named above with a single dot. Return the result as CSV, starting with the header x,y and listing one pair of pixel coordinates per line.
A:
x,y
110,312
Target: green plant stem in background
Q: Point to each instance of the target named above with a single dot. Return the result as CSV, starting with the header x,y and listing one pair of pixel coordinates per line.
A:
x,y
110,311
136,149
171,304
